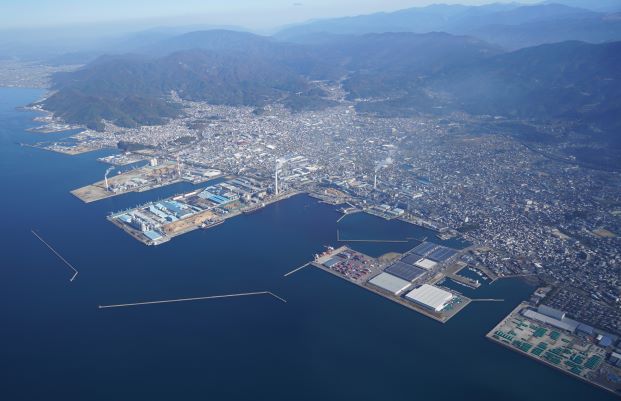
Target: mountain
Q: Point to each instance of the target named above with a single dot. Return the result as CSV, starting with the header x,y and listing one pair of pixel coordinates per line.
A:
x,y
611,6
572,80
562,80
297,56
126,111
387,64
214,40
575,83
511,26
433,18
233,68
586,27
205,66
387,74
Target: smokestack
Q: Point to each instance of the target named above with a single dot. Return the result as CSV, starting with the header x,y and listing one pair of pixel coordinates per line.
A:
x,y
106,177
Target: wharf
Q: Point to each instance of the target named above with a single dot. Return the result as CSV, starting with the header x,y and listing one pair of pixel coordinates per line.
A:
x,y
442,316
137,180
65,148
452,273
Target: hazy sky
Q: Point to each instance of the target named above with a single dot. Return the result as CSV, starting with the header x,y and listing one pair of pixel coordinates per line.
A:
x,y
248,13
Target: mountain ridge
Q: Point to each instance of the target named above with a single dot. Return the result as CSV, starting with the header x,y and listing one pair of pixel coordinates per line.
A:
x,y
386,74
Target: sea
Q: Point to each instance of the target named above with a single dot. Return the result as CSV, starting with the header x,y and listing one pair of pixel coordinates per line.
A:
x,y
331,340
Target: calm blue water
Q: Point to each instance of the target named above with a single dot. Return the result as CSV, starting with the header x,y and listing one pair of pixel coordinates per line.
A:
x,y
331,341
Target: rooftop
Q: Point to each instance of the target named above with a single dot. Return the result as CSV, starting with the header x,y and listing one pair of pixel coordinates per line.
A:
x,y
390,283
430,296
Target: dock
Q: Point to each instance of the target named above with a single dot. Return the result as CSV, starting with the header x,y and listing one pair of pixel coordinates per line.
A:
x,y
347,212
468,282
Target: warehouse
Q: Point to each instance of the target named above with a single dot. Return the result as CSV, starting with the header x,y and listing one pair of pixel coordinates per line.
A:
x,y
152,235
426,264
330,263
551,312
411,258
390,283
564,324
430,297
442,253
424,248
404,271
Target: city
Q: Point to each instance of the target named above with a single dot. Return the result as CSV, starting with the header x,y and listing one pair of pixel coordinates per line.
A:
x,y
337,200
534,215
527,215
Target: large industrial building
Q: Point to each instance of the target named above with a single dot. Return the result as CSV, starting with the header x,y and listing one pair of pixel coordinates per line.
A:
x,y
558,319
551,312
424,248
430,297
426,264
411,258
390,283
441,254
563,324
404,271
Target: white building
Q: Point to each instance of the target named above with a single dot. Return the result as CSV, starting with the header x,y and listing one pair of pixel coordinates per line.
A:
x,y
430,297
390,283
426,264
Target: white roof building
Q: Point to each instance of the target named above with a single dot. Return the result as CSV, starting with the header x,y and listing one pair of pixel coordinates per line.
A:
x,y
426,264
430,297
564,324
390,283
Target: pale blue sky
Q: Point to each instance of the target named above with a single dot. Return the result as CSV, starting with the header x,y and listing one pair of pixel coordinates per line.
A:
x,y
248,13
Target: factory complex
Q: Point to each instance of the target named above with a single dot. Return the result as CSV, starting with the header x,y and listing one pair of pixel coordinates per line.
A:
x,y
549,336
155,174
157,222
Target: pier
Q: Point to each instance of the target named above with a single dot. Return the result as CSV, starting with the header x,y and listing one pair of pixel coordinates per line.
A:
x,y
514,276
75,271
347,212
468,282
295,270
487,300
